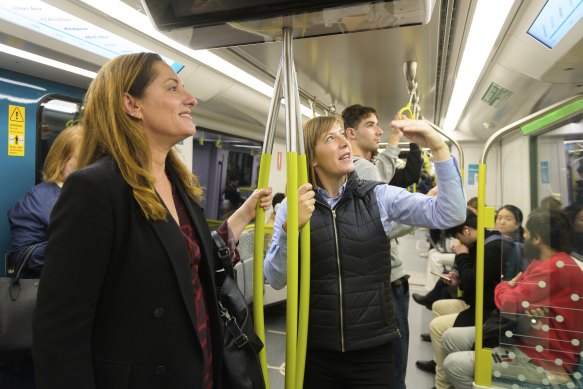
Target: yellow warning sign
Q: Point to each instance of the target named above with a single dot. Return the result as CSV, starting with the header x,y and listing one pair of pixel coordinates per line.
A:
x,y
16,115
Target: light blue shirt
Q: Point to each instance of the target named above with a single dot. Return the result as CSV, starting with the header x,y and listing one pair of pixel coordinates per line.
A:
x,y
447,209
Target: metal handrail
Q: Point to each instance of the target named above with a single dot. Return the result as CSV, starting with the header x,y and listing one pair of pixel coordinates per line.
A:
x,y
504,131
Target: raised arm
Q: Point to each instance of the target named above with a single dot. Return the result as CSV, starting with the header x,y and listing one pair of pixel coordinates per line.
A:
x,y
246,212
418,131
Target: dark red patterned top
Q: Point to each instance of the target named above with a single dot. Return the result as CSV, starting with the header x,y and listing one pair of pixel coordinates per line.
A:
x,y
202,317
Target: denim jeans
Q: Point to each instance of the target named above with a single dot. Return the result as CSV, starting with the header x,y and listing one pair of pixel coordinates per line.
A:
x,y
401,345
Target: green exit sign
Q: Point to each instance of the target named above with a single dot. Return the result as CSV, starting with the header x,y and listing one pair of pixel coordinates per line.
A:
x,y
496,95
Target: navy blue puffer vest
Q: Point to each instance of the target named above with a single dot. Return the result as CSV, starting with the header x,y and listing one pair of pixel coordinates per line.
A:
x,y
350,291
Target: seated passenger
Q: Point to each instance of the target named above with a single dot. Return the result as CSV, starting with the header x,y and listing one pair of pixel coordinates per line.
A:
x,y
461,312
509,222
548,295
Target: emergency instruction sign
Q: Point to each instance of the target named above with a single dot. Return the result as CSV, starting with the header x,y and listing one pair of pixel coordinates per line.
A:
x,y
16,115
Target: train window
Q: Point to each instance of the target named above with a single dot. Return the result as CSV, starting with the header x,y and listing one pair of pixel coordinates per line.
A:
x,y
228,169
54,114
559,166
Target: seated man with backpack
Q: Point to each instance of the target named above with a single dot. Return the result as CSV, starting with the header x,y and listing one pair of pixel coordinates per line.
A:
x,y
461,312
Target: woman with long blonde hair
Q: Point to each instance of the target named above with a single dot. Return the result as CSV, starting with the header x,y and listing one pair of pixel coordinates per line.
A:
x,y
128,295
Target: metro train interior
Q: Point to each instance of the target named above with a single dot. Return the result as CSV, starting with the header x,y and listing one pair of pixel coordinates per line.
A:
x,y
501,79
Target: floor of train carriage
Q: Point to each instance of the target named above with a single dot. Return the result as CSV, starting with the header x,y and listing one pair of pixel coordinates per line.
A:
x,y
410,247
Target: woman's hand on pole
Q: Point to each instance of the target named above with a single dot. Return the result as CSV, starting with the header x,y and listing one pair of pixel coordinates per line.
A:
x,y
246,212
306,205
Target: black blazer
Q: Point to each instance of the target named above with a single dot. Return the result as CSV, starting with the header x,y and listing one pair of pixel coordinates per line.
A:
x,y
115,305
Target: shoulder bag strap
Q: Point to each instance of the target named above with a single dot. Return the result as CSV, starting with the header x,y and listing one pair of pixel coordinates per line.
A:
x,y
223,253
26,256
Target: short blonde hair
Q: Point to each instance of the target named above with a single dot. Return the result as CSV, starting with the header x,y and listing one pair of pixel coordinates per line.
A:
x,y
313,130
62,149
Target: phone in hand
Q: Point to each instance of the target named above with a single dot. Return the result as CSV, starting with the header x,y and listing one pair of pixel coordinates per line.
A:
x,y
443,276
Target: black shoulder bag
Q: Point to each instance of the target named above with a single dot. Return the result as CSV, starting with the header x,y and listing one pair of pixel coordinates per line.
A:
x,y
241,366
17,302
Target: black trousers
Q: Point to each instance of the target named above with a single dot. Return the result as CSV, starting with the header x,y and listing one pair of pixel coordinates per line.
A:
x,y
369,368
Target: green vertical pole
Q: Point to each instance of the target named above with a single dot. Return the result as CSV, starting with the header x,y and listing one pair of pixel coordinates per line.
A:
x,y
292,270
258,317
483,366
304,307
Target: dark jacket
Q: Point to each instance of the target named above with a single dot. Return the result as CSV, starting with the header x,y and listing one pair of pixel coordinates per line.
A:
x,y
115,305
411,173
350,292
496,252
29,221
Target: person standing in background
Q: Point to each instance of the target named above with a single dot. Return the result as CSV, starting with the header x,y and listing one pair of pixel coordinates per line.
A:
x,y
29,220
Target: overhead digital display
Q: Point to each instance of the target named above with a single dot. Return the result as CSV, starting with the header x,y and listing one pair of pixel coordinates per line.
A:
x,y
57,24
555,20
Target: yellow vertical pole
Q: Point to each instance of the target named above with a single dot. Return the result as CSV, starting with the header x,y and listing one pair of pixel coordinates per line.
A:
x,y
292,270
304,304
483,366
258,317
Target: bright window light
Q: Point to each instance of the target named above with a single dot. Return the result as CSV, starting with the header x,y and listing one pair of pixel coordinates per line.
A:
x,y
129,16
487,22
62,106
46,61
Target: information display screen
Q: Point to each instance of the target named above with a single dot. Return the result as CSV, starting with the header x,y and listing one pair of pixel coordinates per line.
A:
x,y
555,20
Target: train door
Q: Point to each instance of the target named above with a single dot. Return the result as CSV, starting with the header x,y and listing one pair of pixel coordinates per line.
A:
x,y
32,111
